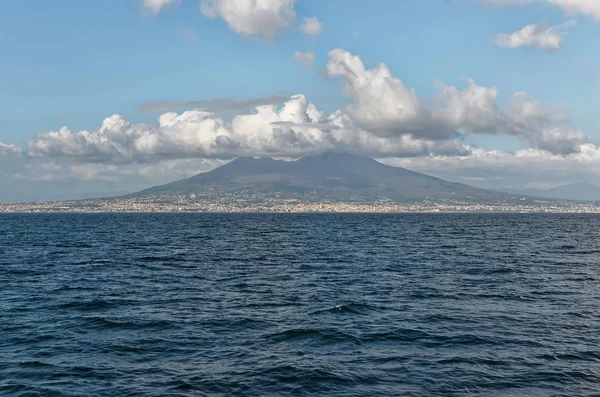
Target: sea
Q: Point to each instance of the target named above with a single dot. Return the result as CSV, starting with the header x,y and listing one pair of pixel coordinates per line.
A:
x,y
299,304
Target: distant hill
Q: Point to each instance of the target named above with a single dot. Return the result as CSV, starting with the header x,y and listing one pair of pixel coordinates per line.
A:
x,y
335,176
575,191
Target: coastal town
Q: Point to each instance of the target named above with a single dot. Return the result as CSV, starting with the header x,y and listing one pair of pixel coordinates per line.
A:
x,y
278,204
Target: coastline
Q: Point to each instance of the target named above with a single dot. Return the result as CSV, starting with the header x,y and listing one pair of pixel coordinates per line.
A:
x,y
149,206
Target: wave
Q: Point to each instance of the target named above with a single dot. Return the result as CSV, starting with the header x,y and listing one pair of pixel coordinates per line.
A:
x,y
350,308
103,322
94,305
322,335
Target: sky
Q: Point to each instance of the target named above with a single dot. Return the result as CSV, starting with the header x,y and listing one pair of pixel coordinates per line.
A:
x,y
107,97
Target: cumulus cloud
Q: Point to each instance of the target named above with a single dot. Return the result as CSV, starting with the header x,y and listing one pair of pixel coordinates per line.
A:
x,y
381,102
311,26
252,17
473,109
305,59
384,105
295,129
185,144
570,7
538,35
384,119
350,136
550,131
155,6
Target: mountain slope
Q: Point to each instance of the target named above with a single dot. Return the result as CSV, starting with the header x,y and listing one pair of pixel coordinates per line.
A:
x,y
576,191
338,176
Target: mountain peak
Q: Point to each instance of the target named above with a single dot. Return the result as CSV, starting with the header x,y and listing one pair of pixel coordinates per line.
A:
x,y
251,160
326,162
336,156
339,161
247,165
329,175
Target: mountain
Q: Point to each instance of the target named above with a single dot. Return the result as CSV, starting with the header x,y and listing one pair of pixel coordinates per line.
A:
x,y
334,176
575,191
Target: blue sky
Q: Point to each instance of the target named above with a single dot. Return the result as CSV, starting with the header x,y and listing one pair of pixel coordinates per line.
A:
x,y
74,63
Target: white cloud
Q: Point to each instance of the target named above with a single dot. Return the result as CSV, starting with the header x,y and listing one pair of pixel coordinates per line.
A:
x,y
471,110
381,102
585,7
347,135
294,129
185,144
311,26
527,167
383,105
550,131
155,6
7,150
305,59
385,119
252,17
447,159
538,35
570,7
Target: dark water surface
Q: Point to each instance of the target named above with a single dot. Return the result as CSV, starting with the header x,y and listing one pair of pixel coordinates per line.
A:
x,y
253,305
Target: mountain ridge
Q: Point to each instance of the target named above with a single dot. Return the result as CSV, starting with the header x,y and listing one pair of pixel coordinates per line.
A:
x,y
330,175
581,191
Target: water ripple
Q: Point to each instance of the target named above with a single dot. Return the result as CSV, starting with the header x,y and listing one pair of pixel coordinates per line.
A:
x,y
267,304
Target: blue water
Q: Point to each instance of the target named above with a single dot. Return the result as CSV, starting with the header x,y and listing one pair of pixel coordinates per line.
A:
x,y
335,305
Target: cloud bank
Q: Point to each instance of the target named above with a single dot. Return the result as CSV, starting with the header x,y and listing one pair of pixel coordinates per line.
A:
x,y
493,169
384,118
294,129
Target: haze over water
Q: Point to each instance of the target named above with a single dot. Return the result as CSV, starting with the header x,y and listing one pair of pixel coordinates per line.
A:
x,y
267,304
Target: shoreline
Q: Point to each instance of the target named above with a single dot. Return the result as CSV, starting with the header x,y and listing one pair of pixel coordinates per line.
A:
x,y
286,205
